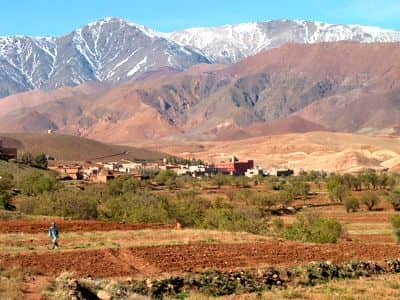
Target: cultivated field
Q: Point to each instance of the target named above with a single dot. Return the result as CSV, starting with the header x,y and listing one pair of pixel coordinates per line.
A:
x,y
237,226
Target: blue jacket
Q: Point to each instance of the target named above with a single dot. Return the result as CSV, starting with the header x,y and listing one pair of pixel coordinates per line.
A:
x,y
53,232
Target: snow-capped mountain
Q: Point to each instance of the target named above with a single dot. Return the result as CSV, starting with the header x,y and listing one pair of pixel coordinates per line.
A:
x,y
232,43
116,50
110,49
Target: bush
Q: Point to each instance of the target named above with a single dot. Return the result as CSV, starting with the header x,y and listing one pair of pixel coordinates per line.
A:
x,y
315,230
300,188
122,185
394,199
5,198
221,180
395,220
337,189
61,203
351,204
278,224
138,208
41,161
166,177
6,183
36,183
370,200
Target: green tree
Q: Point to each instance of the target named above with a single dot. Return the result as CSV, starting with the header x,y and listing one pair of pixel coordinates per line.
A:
x,y
41,161
337,189
166,177
351,204
395,220
394,199
122,185
300,188
26,158
315,230
370,200
6,183
36,183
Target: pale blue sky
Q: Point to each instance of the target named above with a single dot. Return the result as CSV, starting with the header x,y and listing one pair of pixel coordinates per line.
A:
x,y
57,17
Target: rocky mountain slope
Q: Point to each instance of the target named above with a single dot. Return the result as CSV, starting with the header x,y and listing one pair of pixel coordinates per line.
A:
x,y
232,43
107,50
342,86
115,50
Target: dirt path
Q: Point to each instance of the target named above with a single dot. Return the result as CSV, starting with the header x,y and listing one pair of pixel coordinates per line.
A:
x,y
186,258
39,226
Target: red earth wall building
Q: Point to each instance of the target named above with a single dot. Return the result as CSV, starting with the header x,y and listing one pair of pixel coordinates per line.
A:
x,y
234,167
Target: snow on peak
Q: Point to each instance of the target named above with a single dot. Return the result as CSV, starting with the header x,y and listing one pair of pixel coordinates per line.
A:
x,y
230,43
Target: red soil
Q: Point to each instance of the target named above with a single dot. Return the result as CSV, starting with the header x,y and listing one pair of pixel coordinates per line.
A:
x,y
186,258
30,226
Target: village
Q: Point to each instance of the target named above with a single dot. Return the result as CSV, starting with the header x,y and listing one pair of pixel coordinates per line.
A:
x,y
102,172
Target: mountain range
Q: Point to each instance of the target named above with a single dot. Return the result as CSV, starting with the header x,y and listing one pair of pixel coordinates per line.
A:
x,y
114,50
120,82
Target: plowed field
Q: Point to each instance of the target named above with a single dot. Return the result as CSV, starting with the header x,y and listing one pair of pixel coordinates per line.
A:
x,y
186,258
37,226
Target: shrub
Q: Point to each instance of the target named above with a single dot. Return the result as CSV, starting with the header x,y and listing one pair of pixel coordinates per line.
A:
x,y
166,177
36,183
278,224
300,188
221,180
241,181
351,204
61,203
264,201
337,189
394,199
318,230
370,200
137,208
6,183
122,185
5,198
395,220
41,161
26,158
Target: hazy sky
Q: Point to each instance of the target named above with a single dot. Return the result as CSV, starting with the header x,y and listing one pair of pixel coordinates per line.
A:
x,y
57,17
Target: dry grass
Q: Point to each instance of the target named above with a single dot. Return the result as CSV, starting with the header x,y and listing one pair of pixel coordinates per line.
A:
x,y
380,287
11,284
20,242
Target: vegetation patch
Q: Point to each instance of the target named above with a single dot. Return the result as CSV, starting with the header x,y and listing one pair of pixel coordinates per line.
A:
x,y
215,283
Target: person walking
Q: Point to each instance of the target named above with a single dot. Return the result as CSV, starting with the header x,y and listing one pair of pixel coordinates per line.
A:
x,y
54,233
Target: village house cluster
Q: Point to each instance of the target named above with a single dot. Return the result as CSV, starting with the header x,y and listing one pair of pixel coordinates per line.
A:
x,y
101,172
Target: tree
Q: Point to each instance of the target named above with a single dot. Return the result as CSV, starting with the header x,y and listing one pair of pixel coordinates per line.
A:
x,y
337,190
6,183
36,183
41,161
394,199
265,201
122,185
395,220
300,188
369,180
370,200
351,204
166,177
26,158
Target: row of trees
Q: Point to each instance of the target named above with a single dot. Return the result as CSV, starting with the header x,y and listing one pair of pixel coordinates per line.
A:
x,y
38,161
